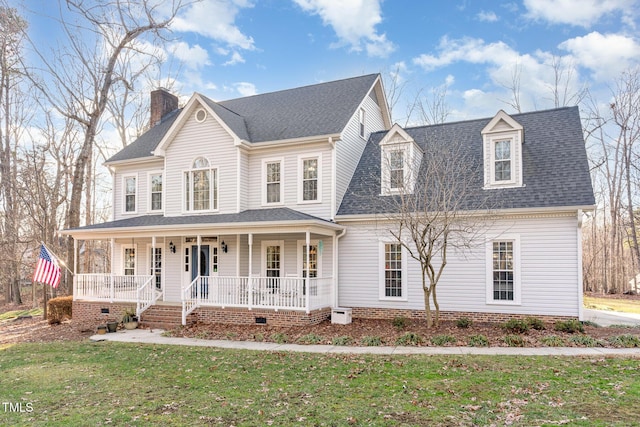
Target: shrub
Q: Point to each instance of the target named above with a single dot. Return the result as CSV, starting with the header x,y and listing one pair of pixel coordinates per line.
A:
x,y
514,340
464,322
516,326
590,323
570,326
279,338
535,323
370,341
478,341
409,338
552,341
441,340
259,337
586,341
625,340
342,340
59,308
310,339
399,322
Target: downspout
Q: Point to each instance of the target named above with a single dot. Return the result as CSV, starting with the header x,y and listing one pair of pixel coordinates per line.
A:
x,y
335,267
579,255
333,178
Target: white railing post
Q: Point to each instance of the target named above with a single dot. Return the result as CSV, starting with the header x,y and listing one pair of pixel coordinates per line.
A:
x,y
111,288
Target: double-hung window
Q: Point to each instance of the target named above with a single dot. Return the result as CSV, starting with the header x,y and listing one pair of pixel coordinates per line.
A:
x,y
272,172
201,186
310,186
502,160
129,261
503,270
393,273
155,187
396,169
130,191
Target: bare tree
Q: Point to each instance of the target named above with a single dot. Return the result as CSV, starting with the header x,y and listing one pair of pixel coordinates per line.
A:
x,y
12,27
438,210
86,72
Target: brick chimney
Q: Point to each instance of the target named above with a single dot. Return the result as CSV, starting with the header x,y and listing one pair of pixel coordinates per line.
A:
x,y
162,103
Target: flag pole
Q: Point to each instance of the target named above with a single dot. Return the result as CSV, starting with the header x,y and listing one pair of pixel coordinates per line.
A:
x,y
58,258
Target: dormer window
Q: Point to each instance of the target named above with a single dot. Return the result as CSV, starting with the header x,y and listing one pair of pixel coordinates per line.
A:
x,y
400,160
502,145
502,160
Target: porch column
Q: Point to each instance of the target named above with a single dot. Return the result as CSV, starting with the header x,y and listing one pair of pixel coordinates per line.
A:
x,y
308,278
250,287
113,263
75,266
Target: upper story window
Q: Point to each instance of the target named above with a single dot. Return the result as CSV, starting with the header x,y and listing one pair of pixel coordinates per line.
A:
x,y
130,194
310,184
273,188
503,138
400,159
396,169
155,190
361,116
201,186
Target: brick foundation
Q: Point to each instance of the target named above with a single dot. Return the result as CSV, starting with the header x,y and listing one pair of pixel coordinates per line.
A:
x,y
239,316
385,313
87,315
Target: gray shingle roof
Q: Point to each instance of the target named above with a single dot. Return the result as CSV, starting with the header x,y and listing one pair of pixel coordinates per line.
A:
x,y
320,109
555,167
284,215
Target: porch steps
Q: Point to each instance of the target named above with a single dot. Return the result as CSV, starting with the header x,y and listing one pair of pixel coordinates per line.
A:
x,y
164,317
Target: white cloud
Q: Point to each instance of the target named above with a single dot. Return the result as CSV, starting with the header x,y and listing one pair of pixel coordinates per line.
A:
x,y
605,54
245,88
236,58
354,22
469,50
215,19
487,16
193,57
576,12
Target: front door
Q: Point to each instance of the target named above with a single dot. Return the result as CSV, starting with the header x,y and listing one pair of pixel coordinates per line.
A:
x,y
200,267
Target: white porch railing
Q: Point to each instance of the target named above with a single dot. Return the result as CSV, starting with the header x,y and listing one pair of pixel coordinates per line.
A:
x,y
276,293
148,294
109,287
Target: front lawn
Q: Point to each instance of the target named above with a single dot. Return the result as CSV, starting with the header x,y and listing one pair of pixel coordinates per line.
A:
x,y
625,305
83,383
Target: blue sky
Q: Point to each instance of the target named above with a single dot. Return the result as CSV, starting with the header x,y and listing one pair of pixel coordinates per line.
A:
x,y
233,48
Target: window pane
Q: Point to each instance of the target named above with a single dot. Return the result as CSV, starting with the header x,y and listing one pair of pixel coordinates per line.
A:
x,y
503,170
130,194
201,190
200,163
273,182
310,168
156,192
187,192
273,261
129,261
503,150
310,179
393,270
503,277
313,261
310,190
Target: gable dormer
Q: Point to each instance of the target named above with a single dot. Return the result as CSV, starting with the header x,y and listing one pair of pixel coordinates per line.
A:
x,y
400,158
502,152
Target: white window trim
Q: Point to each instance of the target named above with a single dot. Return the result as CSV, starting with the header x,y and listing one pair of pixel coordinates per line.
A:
x,y
149,197
301,160
123,249
263,257
381,271
517,284
264,181
385,167
124,194
185,208
514,158
300,251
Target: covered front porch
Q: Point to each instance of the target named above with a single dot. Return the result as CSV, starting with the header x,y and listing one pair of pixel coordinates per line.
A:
x,y
288,266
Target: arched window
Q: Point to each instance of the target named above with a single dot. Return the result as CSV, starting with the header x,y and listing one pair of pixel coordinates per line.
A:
x,y
201,186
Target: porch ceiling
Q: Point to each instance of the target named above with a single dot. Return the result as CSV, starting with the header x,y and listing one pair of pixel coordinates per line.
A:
x,y
280,220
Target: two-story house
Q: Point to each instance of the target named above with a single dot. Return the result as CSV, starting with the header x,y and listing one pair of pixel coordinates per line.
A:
x,y
262,209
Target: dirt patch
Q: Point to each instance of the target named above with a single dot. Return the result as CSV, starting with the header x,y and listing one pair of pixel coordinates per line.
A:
x,y
38,330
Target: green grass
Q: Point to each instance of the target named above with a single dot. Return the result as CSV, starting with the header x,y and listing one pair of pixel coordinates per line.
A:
x,y
623,305
10,315
134,384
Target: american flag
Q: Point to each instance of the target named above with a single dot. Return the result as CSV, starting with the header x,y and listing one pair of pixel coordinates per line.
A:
x,y
47,270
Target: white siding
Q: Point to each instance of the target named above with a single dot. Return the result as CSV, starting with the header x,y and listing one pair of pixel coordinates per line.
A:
x,y
141,173
209,140
349,149
290,177
549,270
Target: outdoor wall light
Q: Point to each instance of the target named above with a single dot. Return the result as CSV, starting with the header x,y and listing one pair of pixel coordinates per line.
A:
x,y
224,247
172,247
